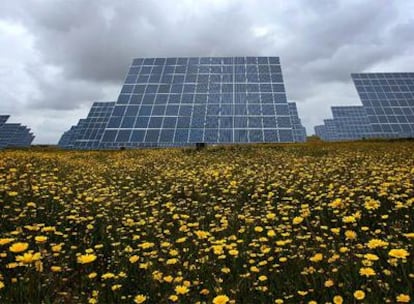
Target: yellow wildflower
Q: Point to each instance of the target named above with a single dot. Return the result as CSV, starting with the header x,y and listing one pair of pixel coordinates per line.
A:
x,y
28,257
297,220
262,278
86,258
40,239
371,257
317,257
108,275
140,299
233,252
398,253
57,248
372,204
202,234
350,235
18,247
92,275
173,298
56,268
6,241
181,289
403,298
375,243
359,295
133,259
221,299
367,271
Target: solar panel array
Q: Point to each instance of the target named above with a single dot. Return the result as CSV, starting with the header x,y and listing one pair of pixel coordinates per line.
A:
x,y
327,131
387,109
388,99
351,122
181,101
14,134
178,101
299,131
88,132
68,138
348,123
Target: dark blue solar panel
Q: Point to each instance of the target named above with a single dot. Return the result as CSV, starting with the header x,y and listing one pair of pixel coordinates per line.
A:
x,y
388,99
299,131
3,119
387,109
178,101
14,134
87,134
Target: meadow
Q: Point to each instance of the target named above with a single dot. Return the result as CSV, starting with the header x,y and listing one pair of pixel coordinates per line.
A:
x,y
298,223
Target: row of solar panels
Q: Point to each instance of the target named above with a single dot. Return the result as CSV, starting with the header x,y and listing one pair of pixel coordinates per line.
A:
x,y
14,134
95,132
387,109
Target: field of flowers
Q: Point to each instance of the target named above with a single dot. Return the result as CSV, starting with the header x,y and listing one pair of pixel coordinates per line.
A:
x,y
311,223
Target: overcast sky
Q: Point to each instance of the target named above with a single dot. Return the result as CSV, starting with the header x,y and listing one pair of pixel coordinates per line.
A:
x,y
59,56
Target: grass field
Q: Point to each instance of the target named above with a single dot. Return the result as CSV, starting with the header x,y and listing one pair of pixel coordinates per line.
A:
x,y
311,223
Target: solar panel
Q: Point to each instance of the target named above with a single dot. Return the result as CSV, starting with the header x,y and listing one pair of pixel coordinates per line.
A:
x,y
14,134
388,99
351,123
327,131
299,131
3,119
68,138
180,101
387,109
88,132
320,131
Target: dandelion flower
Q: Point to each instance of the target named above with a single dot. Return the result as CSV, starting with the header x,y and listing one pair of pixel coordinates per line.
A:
x,y
403,298
233,252
297,220
359,295
181,289
18,247
262,278
56,268
28,257
350,235
398,253
92,275
375,243
367,271
338,300
372,205
140,299
133,259
40,239
371,257
6,241
173,298
221,299
316,258
86,258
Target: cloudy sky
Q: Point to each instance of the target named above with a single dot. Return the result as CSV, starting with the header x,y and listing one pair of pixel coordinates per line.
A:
x,y
58,56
